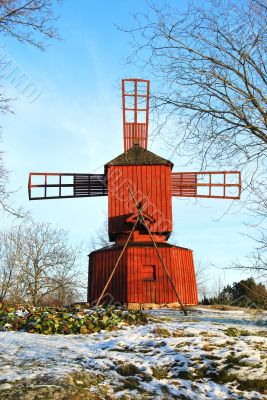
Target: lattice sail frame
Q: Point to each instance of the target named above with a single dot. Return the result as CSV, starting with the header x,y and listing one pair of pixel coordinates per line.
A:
x,y
212,184
53,185
135,111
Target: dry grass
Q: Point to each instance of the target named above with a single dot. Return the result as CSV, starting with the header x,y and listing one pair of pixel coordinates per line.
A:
x,y
159,331
207,346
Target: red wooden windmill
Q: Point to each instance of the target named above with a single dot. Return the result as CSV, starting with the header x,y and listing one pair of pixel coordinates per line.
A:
x,y
139,185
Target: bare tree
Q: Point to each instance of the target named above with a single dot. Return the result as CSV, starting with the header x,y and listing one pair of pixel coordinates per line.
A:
x,y
257,259
202,278
30,22
6,195
41,259
3,179
257,206
10,276
210,65
7,267
100,238
66,288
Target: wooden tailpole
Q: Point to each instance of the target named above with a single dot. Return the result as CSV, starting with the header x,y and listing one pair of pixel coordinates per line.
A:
x,y
142,220
164,266
120,256
117,263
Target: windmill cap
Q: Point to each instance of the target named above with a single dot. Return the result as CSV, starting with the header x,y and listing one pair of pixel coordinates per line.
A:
x,y
138,155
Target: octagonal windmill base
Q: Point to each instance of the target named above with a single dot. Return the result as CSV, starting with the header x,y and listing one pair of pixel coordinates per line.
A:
x,y
140,278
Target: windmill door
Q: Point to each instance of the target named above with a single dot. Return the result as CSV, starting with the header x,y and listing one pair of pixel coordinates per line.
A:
x,y
149,284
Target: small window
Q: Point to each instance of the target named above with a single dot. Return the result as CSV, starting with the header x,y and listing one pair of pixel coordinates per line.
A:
x,y
149,273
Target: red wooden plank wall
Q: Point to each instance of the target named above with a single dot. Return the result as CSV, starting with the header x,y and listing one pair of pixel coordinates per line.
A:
x,y
179,262
130,284
146,181
101,264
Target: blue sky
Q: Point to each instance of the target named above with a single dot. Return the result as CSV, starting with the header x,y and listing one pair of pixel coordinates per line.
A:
x,y
75,125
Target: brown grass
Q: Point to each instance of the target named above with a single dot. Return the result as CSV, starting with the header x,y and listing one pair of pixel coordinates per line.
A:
x,y
207,346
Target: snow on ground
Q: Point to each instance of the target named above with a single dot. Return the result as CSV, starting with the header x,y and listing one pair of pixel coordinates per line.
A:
x,y
209,354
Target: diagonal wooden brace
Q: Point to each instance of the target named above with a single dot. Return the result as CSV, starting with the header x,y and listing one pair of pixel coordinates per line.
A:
x,y
143,221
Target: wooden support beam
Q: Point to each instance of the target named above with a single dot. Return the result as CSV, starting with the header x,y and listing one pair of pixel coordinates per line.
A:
x,y
142,220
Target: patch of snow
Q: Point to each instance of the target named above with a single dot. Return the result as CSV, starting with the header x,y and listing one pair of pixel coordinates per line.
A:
x,y
193,342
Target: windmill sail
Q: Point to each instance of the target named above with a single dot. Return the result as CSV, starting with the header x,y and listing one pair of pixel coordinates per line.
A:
x,y
135,109
59,186
220,185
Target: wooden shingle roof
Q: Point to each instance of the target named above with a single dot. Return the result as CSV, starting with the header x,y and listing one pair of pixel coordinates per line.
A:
x,y
137,155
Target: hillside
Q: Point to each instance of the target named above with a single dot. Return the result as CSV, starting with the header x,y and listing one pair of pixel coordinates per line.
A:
x,y
210,354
